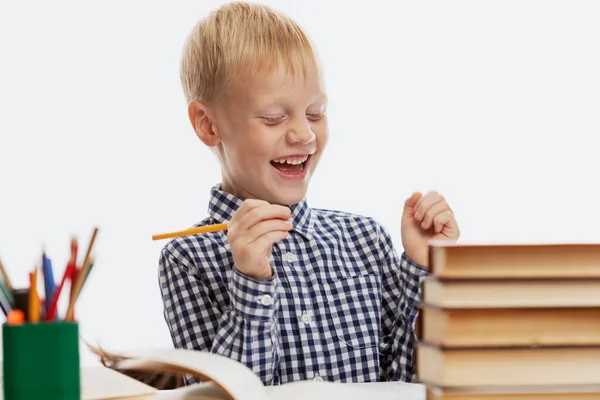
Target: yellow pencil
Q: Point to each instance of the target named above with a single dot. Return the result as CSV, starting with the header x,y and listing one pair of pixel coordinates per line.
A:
x,y
191,231
34,299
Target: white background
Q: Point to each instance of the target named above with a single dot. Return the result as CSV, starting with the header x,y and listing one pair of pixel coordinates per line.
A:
x,y
493,103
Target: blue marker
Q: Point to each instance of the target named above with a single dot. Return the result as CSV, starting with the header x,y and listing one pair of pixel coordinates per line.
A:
x,y
49,284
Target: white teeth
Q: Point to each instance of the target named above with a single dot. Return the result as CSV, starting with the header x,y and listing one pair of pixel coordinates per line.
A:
x,y
293,162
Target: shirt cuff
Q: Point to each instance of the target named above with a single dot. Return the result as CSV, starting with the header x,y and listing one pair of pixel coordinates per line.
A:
x,y
254,299
413,274
412,269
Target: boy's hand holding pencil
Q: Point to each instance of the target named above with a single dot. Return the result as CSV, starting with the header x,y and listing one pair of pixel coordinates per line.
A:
x,y
253,229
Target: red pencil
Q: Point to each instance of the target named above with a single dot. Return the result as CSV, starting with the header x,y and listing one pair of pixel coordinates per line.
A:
x,y
54,304
69,274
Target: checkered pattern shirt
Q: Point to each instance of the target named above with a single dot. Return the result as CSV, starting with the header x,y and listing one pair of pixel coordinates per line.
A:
x,y
340,306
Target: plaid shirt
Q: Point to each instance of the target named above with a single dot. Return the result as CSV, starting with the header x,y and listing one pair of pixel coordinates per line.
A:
x,y
341,305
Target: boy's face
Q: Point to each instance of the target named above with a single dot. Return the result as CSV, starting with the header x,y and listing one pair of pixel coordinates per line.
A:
x,y
272,131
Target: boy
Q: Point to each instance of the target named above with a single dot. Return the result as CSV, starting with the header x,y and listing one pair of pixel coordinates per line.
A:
x,y
292,292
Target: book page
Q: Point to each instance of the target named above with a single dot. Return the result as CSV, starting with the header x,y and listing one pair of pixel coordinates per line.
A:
x,y
232,376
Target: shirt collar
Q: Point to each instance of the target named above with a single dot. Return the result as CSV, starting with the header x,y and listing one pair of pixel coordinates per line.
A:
x,y
223,205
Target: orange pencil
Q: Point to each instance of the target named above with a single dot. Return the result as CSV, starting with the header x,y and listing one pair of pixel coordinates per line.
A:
x,y
34,299
191,231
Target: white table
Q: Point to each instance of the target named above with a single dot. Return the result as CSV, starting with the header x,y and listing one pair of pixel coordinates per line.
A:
x,y
101,383
386,390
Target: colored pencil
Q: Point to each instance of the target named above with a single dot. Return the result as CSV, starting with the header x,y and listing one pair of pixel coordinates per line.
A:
x,y
73,272
191,231
54,304
81,275
49,283
68,274
5,277
92,260
34,300
5,304
7,293
77,286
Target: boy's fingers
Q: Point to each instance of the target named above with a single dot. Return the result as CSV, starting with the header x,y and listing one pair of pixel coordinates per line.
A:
x,y
443,219
266,241
410,204
425,203
264,227
432,212
263,213
246,207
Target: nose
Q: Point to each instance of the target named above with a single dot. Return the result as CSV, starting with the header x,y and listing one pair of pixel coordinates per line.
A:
x,y
301,134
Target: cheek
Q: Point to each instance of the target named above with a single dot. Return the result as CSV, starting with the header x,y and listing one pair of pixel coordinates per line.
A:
x,y
321,132
238,138
257,146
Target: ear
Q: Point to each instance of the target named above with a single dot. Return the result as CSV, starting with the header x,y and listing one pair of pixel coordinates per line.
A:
x,y
203,124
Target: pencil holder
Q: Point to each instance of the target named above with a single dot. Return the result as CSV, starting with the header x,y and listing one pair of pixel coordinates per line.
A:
x,y
41,361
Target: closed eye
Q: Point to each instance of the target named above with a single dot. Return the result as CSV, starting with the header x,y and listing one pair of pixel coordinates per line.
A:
x,y
314,117
273,120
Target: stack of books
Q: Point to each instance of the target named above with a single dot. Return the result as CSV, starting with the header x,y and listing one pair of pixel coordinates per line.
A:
x,y
510,322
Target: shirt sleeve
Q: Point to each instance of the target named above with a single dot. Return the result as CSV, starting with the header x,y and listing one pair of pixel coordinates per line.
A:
x,y
401,291
246,331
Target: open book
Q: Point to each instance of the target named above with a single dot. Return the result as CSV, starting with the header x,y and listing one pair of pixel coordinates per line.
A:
x,y
224,378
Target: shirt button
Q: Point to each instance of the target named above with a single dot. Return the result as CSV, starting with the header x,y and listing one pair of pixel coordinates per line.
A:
x,y
317,378
307,319
289,257
266,300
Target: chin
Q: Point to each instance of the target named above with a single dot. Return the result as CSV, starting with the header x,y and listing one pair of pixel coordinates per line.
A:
x,y
288,196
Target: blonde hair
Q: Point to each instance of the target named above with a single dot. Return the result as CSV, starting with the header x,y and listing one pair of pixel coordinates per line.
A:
x,y
241,38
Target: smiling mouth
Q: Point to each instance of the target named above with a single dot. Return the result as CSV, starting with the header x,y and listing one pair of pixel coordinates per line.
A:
x,y
291,165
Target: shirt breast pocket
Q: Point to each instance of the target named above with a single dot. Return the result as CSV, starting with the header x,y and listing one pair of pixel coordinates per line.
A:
x,y
354,310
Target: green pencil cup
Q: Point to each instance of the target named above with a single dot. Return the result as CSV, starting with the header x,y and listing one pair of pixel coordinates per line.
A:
x,y
41,361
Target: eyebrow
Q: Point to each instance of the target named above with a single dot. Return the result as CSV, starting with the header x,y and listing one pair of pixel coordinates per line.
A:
x,y
321,97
